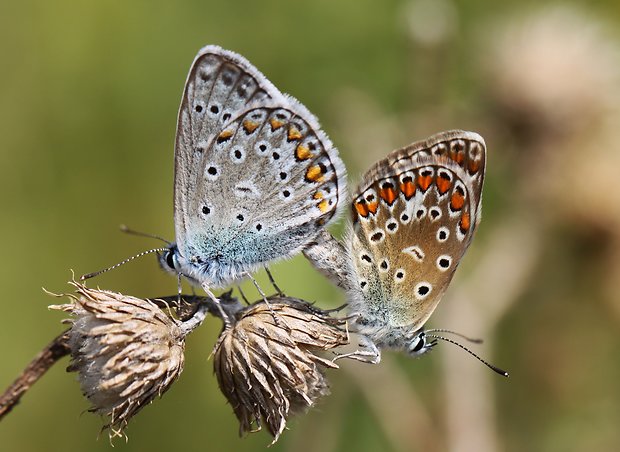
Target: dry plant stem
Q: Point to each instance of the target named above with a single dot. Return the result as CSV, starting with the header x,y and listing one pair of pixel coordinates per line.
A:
x,y
35,370
59,347
398,410
500,276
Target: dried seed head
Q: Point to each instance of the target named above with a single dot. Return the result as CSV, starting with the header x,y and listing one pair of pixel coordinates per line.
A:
x,y
267,364
126,350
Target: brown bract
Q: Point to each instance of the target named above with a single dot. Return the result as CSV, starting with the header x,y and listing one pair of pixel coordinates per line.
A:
x,y
268,365
126,350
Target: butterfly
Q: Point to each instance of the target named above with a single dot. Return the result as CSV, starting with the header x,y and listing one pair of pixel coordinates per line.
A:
x,y
255,177
414,215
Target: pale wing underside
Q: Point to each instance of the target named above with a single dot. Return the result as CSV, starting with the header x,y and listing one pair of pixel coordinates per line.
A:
x,y
414,216
255,177
220,84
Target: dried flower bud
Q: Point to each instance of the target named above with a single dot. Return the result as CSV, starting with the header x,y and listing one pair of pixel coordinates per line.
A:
x,y
267,364
126,350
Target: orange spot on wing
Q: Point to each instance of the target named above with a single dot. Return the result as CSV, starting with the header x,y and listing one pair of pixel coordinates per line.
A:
x,y
443,184
275,123
362,208
408,189
473,166
314,173
293,134
388,195
225,135
302,152
318,195
323,206
457,201
250,126
457,156
424,182
373,206
464,223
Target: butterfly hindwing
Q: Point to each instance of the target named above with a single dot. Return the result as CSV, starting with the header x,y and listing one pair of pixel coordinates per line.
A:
x,y
414,216
256,178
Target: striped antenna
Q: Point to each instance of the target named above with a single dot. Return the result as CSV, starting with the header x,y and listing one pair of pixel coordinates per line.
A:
x,y
490,366
144,253
124,228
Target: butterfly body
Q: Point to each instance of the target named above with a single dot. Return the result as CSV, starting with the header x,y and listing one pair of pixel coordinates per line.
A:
x,y
414,215
256,179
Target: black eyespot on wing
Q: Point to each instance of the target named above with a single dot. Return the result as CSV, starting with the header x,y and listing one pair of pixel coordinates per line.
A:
x,y
212,170
376,236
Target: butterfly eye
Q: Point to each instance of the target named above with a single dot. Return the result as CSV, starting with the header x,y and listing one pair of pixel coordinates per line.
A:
x,y
170,259
419,345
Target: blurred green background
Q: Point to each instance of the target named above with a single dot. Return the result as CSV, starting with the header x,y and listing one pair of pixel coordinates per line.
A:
x,y
89,93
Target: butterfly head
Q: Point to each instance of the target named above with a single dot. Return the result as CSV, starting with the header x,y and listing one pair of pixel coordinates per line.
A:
x,y
419,344
169,259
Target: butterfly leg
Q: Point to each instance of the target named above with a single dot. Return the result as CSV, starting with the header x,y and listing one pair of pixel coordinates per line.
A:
x,y
217,303
273,282
243,295
262,294
367,352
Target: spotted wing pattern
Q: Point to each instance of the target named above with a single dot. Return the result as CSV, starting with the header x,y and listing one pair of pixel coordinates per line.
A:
x,y
255,176
414,216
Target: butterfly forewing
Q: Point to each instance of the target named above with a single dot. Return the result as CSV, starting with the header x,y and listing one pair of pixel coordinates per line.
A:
x,y
414,216
256,178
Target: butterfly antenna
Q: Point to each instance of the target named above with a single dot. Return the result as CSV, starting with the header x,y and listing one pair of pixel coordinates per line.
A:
x,y
144,253
490,366
127,230
462,336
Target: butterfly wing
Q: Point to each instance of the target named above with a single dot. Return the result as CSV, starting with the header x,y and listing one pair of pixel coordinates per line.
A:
x,y
255,177
414,216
